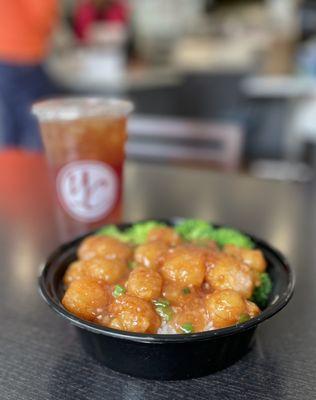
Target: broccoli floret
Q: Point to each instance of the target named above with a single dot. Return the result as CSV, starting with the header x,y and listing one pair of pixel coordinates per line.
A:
x,y
194,229
138,232
261,293
189,229
231,236
113,231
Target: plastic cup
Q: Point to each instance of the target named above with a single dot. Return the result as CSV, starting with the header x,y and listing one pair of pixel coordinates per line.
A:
x,y
84,140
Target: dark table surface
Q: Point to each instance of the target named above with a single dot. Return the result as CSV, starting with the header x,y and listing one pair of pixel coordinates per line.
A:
x,y
40,356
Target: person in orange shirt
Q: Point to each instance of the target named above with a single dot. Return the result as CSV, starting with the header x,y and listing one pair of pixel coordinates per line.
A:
x,y
25,31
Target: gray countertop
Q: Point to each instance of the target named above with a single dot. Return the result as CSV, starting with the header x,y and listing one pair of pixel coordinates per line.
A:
x,y
40,356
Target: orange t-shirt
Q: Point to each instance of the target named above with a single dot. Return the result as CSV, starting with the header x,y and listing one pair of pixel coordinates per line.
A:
x,y
25,29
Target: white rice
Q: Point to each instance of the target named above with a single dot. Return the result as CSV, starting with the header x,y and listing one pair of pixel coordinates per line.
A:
x,y
166,329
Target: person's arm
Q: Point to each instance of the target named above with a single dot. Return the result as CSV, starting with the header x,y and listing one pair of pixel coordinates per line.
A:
x,y
41,13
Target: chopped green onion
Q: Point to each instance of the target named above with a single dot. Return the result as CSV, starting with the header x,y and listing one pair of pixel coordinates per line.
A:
x,y
187,328
161,303
118,290
164,312
163,309
243,318
186,290
131,265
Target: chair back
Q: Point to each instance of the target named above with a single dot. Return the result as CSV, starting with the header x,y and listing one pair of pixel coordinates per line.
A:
x,y
185,141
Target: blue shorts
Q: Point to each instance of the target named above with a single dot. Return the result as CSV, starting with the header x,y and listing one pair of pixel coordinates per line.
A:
x,y
20,86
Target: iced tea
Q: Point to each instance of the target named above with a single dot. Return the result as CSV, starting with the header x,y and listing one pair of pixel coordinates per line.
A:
x,y
84,141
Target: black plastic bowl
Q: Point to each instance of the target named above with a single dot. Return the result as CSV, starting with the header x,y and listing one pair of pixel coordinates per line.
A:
x,y
166,357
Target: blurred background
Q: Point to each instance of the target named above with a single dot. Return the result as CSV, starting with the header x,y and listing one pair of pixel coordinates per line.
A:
x,y
216,83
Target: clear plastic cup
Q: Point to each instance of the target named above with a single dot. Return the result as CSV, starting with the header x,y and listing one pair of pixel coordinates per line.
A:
x,y
84,140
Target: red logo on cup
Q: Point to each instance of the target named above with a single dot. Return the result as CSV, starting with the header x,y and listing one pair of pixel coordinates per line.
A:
x,y
87,189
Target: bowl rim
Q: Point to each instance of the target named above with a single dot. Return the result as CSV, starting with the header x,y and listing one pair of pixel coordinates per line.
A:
x,y
281,301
